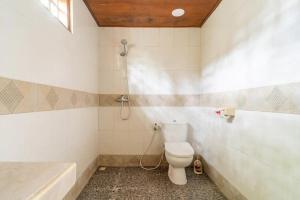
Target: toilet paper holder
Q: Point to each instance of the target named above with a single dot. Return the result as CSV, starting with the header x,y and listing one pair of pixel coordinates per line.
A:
x,y
226,113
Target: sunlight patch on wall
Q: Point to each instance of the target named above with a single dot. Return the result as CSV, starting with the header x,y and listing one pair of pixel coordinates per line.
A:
x,y
61,9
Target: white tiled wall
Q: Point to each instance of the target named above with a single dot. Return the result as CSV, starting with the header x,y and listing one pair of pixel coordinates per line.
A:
x,y
134,135
160,60
249,44
36,47
258,152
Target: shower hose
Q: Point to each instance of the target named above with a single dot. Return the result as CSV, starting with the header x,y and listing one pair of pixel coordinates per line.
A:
x,y
151,142
147,149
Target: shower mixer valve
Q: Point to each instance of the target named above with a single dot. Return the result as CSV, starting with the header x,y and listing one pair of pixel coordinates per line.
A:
x,y
122,98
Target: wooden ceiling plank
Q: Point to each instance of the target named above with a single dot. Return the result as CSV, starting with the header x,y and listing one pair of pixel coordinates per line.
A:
x,y
150,13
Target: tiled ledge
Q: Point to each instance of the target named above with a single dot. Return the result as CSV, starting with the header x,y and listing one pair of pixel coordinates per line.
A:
x,y
36,180
82,180
21,97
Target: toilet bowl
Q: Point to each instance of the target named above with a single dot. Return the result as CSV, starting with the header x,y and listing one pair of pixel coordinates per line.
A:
x,y
179,155
178,152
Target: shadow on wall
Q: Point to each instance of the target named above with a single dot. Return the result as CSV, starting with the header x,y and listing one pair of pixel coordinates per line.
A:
x,y
150,80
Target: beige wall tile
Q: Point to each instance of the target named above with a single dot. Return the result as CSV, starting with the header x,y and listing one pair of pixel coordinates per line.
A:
x,y
81,101
29,100
137,119
65,99
106,118
74,99
42,102
20,96
107,144
109,100
5,98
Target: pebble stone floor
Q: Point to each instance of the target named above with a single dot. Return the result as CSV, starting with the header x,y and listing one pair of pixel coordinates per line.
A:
x,y
135,183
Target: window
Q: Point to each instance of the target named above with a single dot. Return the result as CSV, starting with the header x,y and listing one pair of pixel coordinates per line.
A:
x,y
61,9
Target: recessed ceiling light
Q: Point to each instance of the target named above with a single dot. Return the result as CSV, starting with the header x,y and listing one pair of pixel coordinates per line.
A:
x,y
178,12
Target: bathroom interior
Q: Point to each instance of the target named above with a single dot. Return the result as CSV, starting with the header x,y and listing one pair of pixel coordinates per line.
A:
x,y
150,99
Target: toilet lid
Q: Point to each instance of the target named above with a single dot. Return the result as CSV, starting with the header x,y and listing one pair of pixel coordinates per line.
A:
x,y
179,149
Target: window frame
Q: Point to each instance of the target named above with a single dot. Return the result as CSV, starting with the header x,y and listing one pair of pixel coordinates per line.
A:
x,y
69,14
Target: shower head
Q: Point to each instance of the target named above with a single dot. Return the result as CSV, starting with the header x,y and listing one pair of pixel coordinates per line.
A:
x,y
124,43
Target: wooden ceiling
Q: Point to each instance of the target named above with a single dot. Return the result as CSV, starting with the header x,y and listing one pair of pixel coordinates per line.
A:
x,y
150,13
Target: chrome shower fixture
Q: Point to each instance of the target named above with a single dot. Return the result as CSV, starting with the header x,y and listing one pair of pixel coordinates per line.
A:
x,y
125,51
122,99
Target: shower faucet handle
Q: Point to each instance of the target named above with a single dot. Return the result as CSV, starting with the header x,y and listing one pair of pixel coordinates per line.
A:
x,y
122,98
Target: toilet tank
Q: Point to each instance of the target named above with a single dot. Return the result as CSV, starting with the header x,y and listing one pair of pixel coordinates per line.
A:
x,y
175,132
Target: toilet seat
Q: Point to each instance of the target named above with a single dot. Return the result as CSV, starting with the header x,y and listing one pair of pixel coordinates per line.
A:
x,y
179,149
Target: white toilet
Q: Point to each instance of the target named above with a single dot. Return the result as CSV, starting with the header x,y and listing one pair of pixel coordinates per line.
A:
x,y
179,153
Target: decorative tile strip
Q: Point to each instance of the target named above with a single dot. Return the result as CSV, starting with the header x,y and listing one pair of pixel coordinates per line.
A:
x,y
21,97
279,99
151,100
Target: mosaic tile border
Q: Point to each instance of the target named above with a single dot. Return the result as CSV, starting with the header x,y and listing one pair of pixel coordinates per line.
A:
x,y
22,97
151,100
278,99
